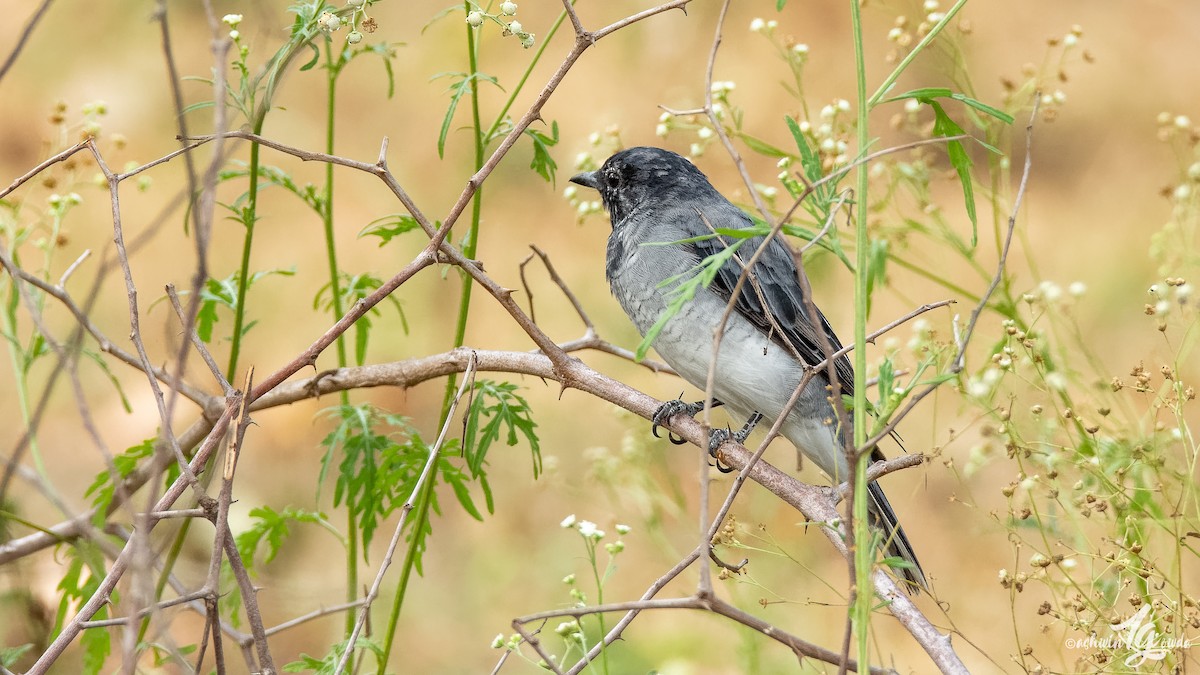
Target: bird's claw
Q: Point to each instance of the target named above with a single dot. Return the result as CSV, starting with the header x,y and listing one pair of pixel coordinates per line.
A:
x,y
663,414
717,437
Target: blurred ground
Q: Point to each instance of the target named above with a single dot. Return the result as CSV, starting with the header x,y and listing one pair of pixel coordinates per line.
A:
x,y
1093,202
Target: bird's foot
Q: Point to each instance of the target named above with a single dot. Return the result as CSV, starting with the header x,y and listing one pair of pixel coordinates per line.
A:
x,y
717,437
663,414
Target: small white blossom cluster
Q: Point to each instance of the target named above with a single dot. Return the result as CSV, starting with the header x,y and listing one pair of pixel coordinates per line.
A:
x,y
765,27
511,26
668,122
600,144
1175,292
592,533
1048,293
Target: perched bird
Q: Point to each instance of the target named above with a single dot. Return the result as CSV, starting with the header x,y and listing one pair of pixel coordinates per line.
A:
x,y
664,216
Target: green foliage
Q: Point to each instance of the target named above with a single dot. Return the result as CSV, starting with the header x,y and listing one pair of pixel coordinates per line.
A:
x,y
218,293
327,665
389,227
103,487
496,408
374,467
10,655
543,163
85,569
271,527
353,289
463,84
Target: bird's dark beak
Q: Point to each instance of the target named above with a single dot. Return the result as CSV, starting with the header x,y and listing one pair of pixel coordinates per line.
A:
x,y
587,179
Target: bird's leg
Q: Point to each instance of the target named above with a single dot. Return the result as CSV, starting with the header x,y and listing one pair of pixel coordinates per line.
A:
x,y
666,411
719,436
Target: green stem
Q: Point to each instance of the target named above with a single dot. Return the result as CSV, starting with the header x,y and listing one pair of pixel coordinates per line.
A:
x,y
332,70
863,558
537,57
249,215
418,528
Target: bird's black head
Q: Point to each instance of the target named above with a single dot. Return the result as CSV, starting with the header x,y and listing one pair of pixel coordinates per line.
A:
x,y
631,178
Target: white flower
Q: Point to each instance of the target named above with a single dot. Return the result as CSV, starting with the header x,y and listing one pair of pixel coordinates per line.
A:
x,y
623,529
1050,291
232,19
800,48
1183,192
912,105
515,27
1077,288
329,22
828,112
894,34
526,40
757,25
1193,171
475,19
934,17
842,105
784,162
570,192
696,150
234,35
661,131
508,8
704,133
588,529
498,641
354,37
1183,122
569,521
1183,292
1071,40
1056,381
931,5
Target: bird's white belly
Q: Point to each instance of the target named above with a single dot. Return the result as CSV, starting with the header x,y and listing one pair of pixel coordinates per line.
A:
x,y
753,374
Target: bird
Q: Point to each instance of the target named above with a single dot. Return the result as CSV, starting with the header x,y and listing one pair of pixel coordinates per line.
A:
x,y
665,217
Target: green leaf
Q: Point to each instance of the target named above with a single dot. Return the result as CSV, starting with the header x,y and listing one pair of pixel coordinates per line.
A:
x,y
122,465
272,527
542,162
457,90
809,161
877,258
327,665
353,289
316,56
946,127
381,460
10,655
389,227
927,94
760,146
495,408
462,491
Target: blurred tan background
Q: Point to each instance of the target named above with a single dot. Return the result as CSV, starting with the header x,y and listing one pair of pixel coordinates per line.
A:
x,y
1093,202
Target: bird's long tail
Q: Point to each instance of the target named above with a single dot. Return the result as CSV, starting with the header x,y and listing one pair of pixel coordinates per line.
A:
x,y
896,543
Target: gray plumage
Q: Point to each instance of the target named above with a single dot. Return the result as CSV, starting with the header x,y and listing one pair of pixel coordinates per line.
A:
x,y
655,196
